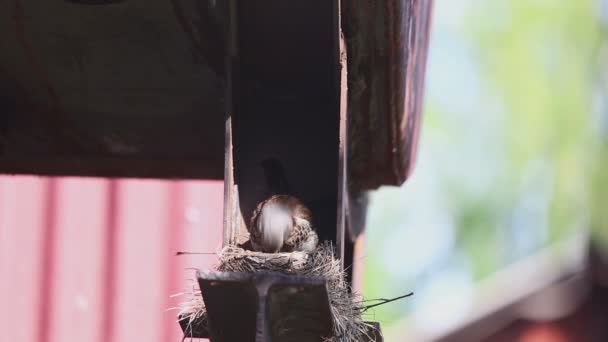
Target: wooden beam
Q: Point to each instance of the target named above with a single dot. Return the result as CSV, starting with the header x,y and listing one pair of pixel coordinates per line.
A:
x,y
387,43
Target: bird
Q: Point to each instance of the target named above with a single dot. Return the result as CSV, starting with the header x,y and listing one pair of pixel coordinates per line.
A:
x,y
282,223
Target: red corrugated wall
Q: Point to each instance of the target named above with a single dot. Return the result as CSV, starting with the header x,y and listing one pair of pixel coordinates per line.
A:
x,y
89,259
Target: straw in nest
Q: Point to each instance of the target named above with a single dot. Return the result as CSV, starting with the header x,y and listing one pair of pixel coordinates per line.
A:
x,y
346,306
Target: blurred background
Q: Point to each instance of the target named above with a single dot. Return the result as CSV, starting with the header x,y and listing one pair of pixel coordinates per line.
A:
x,y
509,191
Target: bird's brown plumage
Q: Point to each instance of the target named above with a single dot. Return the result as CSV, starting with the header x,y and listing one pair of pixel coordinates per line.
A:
x,y
288,229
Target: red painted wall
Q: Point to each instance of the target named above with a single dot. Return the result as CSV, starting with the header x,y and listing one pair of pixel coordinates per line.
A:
x,y
89,259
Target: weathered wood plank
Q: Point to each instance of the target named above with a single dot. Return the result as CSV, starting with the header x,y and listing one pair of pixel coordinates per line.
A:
x,y
126,89
387,44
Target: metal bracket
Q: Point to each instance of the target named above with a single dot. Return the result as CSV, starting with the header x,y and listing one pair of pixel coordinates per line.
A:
x,y
262,306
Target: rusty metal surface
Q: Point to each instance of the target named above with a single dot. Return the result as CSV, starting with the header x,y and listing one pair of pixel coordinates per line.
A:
x,y
126,85
387,44
265,307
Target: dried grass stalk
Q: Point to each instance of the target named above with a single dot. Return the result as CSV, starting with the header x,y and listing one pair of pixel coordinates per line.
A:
x,y
346,306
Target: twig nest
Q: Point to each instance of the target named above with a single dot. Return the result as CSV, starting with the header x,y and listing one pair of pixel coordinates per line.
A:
x,y
346,306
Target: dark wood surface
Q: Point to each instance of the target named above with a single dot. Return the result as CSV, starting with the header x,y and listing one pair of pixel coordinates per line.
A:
x,y
129,88
387,43
138,89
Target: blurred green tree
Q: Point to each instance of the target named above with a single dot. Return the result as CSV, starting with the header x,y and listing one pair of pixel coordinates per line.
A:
x,y
508,159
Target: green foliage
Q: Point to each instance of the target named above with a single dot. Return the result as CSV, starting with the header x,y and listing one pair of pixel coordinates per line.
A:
x,y
541,65
515,167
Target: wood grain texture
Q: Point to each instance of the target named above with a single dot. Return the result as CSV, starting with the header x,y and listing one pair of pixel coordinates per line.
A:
x,y
130,89
387,44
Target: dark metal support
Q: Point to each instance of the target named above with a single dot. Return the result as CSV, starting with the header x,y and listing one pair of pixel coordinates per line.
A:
x,y
265,307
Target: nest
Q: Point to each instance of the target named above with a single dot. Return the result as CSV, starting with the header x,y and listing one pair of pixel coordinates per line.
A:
x,y
346,306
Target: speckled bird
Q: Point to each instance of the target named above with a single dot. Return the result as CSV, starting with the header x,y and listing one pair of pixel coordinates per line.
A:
x,y
282,223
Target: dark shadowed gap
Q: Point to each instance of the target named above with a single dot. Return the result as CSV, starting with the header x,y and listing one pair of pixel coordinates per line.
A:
x,y
287,105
